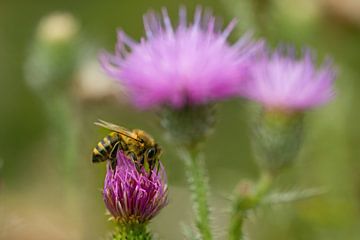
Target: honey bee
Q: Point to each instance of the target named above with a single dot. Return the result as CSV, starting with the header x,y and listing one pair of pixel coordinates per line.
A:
x,y
136,144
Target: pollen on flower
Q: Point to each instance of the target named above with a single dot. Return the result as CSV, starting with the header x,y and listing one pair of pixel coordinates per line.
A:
x,y
280,81
133,196
191,63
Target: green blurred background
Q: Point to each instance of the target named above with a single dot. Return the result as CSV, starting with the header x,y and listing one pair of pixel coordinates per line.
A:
x,y
40,198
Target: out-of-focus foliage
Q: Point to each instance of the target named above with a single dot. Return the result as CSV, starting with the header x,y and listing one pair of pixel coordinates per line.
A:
x,y
33,203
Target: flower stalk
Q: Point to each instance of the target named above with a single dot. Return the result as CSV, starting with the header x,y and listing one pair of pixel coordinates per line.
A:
x,y
198,182
245,201
188,127
63,128
131,232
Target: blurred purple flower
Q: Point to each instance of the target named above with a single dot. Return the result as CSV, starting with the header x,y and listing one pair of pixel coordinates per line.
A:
x,y
133,196
189,64
281,81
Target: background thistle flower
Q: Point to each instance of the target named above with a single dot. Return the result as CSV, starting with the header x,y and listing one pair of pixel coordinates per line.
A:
x,y
133,197
283,82
285,87
188,64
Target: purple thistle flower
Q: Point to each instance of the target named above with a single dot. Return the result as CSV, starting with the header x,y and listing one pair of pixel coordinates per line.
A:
x,y
281,81
133,196
189,64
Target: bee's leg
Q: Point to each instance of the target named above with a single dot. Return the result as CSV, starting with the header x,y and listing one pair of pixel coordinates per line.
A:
x,y
138,166
112,156
151,172
113,162
146,165
114,150
157,164
132,156
123,146
139,163
151,167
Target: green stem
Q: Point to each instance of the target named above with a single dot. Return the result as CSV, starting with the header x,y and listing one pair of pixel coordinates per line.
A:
x,y
63,130
131,232
244,202
63,133
199,188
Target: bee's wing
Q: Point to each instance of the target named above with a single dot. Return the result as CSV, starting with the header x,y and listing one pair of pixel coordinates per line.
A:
x,y
111,126
115,128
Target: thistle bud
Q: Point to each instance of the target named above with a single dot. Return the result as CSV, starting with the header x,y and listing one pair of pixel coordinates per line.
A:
x,y
53,54
277,138
189,125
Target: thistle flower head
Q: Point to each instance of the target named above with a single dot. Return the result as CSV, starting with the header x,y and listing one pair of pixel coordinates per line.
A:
x,y
133,196
176,66
281,81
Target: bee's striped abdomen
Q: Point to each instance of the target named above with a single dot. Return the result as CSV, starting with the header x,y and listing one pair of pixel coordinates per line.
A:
x,y
105,148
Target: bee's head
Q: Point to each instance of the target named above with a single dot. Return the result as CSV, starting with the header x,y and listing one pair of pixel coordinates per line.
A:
x,y
153,153
152,149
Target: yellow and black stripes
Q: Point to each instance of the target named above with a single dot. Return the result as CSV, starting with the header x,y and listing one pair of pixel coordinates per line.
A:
x,y
106,149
